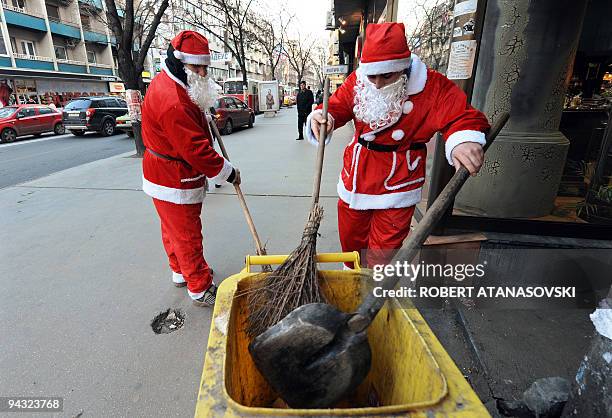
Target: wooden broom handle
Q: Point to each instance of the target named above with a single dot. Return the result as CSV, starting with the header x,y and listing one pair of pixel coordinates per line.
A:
x,y
316,189
247,214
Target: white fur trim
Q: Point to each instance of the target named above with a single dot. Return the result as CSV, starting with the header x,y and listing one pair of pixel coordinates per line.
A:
x,y
382,67
460,137
369,137
407,107
225,172
177,277
397,134
172,195
196,59
418,76
169,74
312,139
195,295
193,178
361,201
392,172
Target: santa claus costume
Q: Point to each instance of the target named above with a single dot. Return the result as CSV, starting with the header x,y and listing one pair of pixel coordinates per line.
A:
x,y
179,157
384,165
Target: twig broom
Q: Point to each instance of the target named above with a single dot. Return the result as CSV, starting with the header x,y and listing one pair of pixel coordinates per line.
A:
x,y
295,282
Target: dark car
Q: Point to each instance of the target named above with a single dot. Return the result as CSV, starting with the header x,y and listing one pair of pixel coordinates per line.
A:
x,y
28,120
93,114
232,113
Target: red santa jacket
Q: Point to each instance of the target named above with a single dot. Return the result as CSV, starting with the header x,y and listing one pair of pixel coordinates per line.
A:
x,y
381,180
173,126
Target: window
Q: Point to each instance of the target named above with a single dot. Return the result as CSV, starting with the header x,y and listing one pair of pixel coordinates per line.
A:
x,y
91,57
53,12
27,112
239,104
2,45
85,22
15,3
122,103
14,44
27,48
60,52
110,103
229,103
78,104
45,110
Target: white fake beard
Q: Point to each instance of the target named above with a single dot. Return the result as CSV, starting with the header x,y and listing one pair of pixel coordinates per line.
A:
x,y
378,107
203,91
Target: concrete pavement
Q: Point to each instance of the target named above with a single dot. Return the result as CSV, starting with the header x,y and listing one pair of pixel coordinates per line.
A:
x,y
84,272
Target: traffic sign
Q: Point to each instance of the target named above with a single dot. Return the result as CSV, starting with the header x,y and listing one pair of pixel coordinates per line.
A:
x,y
335,69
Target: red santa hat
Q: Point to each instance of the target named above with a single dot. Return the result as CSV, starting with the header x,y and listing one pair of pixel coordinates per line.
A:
x,y
385,49
191,48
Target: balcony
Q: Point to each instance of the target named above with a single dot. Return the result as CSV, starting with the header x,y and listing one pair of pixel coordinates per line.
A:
x,y
34,62
5,61
101,69
97,37
64,28
24,18
71,66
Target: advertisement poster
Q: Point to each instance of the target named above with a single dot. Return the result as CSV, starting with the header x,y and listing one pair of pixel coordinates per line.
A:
x,y
268,96
134,102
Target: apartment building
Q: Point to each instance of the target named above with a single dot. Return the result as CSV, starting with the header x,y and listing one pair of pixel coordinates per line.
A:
x,y
223,65
56,49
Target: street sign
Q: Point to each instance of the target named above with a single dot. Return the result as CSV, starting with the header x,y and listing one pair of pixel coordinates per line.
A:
x,y
335,69
221,57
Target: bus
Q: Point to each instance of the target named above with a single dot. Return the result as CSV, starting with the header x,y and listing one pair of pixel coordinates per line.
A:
x,y
234,87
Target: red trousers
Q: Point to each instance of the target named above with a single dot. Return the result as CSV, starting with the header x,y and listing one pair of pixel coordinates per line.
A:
x,y
377,230
181,231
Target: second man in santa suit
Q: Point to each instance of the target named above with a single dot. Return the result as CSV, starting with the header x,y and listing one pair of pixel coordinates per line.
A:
x,y
397,105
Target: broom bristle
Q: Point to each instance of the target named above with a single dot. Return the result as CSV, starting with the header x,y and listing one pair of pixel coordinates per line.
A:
x,y
293,284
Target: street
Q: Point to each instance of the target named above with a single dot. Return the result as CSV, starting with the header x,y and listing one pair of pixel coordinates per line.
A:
x,y
84,272
28,159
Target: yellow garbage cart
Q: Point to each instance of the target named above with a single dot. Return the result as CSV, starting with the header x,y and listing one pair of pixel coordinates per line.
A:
x,y
411,374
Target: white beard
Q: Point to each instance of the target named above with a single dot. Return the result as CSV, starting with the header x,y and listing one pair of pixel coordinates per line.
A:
x,y
203,91
379,107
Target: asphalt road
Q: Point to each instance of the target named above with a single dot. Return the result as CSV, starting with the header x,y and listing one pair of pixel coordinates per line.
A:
x,y
28,159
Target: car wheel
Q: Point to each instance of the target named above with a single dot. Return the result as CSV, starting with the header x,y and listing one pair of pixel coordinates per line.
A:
x,y
78,133
251,121
108,127
228,128
59,129
8,135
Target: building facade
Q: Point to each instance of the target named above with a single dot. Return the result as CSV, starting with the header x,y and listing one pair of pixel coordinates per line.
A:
x,y
55,49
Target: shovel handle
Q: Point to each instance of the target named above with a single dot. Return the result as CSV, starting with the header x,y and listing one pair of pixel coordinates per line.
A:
x,y
245,209
321,148
371,305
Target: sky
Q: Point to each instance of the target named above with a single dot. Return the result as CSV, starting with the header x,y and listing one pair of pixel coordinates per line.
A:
x,y
309,17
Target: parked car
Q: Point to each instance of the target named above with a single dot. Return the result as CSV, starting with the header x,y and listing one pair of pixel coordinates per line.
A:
x,y
93,114
289,100
28,119
232,113
124,123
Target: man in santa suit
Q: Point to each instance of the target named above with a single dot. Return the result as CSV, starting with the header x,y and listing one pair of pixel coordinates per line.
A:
x,y
180,157
397,105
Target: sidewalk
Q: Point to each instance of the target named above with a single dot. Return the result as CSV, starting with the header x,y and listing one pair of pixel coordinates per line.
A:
x,y
84,272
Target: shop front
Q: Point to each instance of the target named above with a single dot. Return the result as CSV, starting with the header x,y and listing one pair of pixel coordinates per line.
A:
x,y
59,91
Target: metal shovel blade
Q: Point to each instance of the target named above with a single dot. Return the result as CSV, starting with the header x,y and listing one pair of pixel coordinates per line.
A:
x,y
311,358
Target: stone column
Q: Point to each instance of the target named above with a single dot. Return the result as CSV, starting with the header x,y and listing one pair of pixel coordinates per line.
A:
x,y
525,62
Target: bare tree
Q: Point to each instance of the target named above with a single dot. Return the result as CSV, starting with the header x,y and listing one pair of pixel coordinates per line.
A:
x,y
430,39
134,31
270,34
319,61
299,54
229,21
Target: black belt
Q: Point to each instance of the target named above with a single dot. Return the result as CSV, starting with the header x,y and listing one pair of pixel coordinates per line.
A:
x,y
373,146
167,157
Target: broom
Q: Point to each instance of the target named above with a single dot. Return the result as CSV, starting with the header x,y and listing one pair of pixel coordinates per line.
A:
x,y
295,282
259,247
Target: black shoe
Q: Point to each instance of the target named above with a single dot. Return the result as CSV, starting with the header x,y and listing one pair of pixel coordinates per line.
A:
x,y
217,186
299,139
208,298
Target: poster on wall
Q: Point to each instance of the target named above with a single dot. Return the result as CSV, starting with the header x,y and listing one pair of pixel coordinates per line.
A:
x,y
60,92
268,96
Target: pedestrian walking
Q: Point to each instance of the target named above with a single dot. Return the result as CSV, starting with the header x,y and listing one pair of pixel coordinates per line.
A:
x,y
180,156
397,105
304,102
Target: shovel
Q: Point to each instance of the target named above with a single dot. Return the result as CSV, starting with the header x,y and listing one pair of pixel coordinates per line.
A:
x,y
317,355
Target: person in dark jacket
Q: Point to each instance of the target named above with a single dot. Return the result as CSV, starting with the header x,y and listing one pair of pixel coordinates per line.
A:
x,y
305,100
